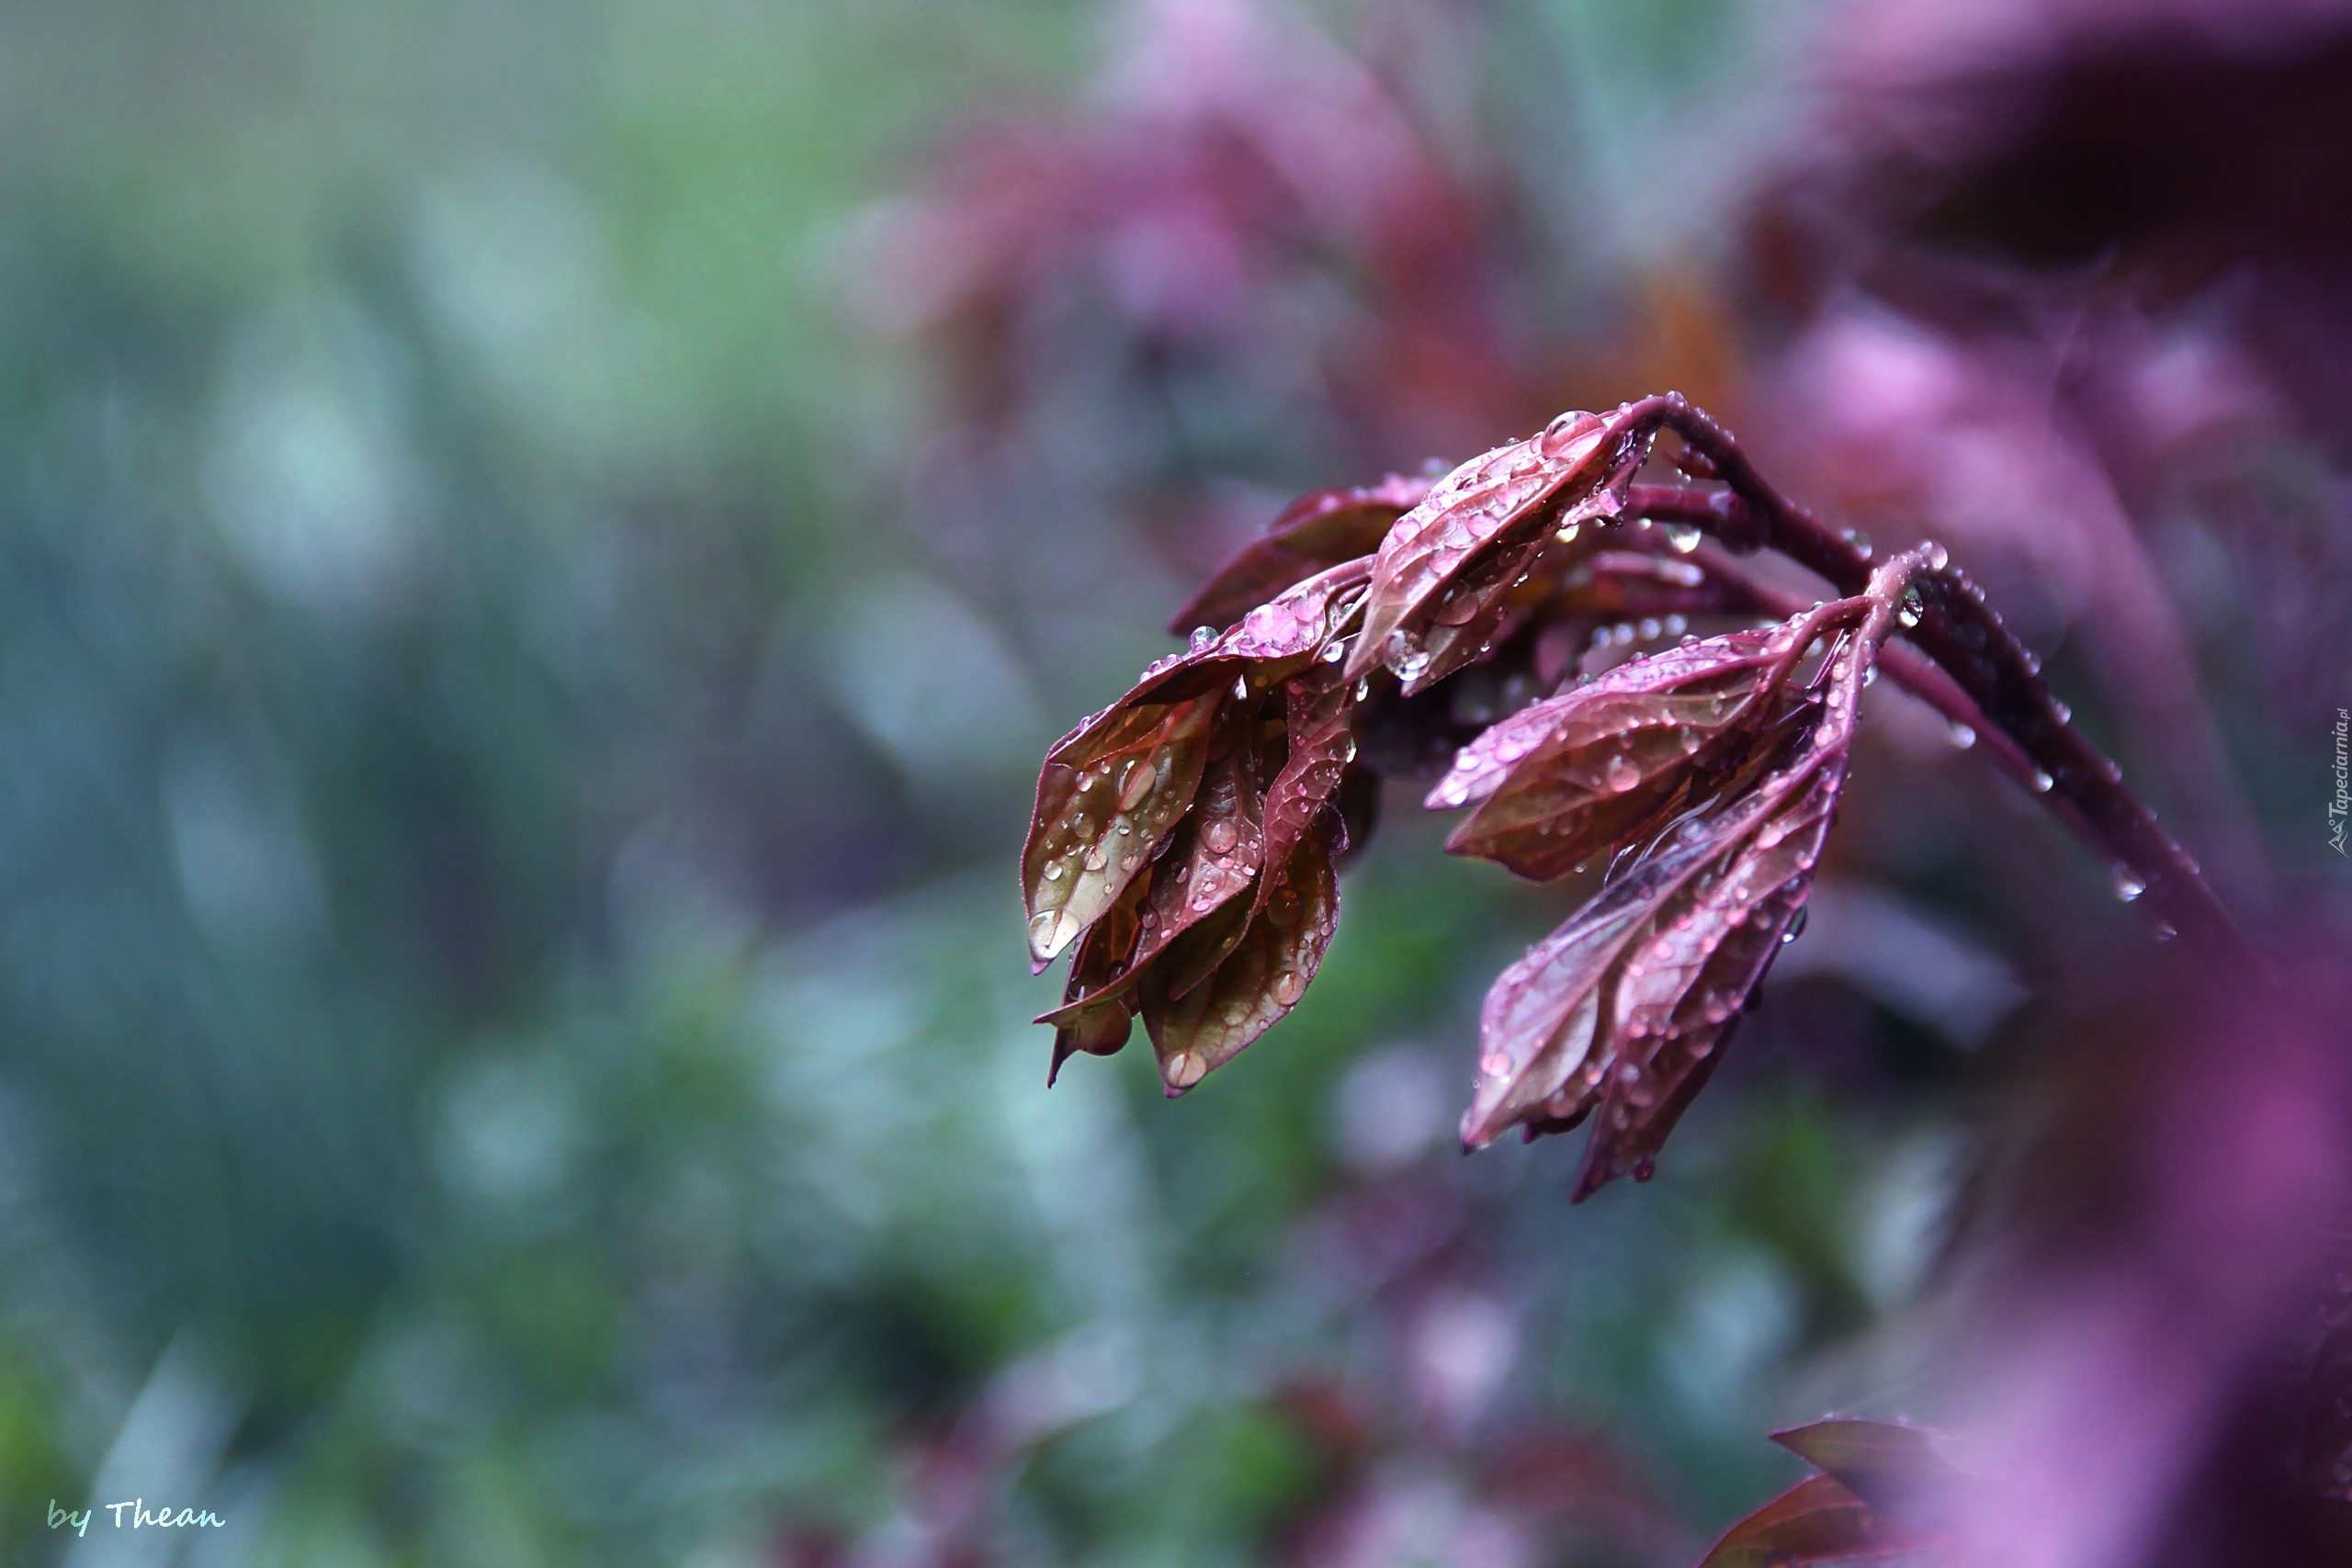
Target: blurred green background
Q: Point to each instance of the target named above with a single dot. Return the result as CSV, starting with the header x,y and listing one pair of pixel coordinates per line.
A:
x,y
512,1026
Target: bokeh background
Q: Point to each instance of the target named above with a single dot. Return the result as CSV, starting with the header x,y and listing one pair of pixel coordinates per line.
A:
x,y
541,544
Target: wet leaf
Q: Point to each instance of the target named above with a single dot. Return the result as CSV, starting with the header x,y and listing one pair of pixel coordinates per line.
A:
x,y
1098,1008
1322,744
1318,530
1816,1520
1622,1013
1114,789
1260,975
1109,791
1888,1463
1602,764
1500,505
1885,1494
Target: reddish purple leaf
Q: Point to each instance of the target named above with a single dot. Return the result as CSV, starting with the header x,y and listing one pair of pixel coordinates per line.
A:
x,y
1114,788
1602,764
1885,1493
1322,744
1888,1463
1098,1006
1109,793
1319,529
1258,978
1498,506
1623,1010
1816,1520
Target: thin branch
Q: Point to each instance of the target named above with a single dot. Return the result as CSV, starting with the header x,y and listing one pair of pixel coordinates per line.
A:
x,y
1959,635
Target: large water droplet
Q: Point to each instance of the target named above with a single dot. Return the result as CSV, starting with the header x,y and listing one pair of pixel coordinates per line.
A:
x,y
1938,556
1621,774
1289,986
2127,884
1202,637
2041,782
1962,736
1566,533
1053,871
1220,837
1683,537
1182,1070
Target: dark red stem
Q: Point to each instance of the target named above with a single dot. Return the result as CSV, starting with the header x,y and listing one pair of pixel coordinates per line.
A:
x,y
1965,642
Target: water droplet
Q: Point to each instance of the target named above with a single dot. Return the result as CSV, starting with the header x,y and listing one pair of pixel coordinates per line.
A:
x,y
1643,1168
1182,1070
1621,774
1683,537
2041,782
1241,687
1051,932
1220,837
1962,736
1098,854
2065,715
1202,637
1870,675
1650,627
2128,885
1333,652
1860,541
1289,986
1495,1063
1053,871
1568,531
1363,688
1938,557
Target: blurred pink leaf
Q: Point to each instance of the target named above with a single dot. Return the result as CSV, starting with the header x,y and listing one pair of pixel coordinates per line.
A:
x,y
1816,1520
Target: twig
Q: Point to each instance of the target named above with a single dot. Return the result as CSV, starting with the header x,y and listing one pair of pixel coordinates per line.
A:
x,y
1958,635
